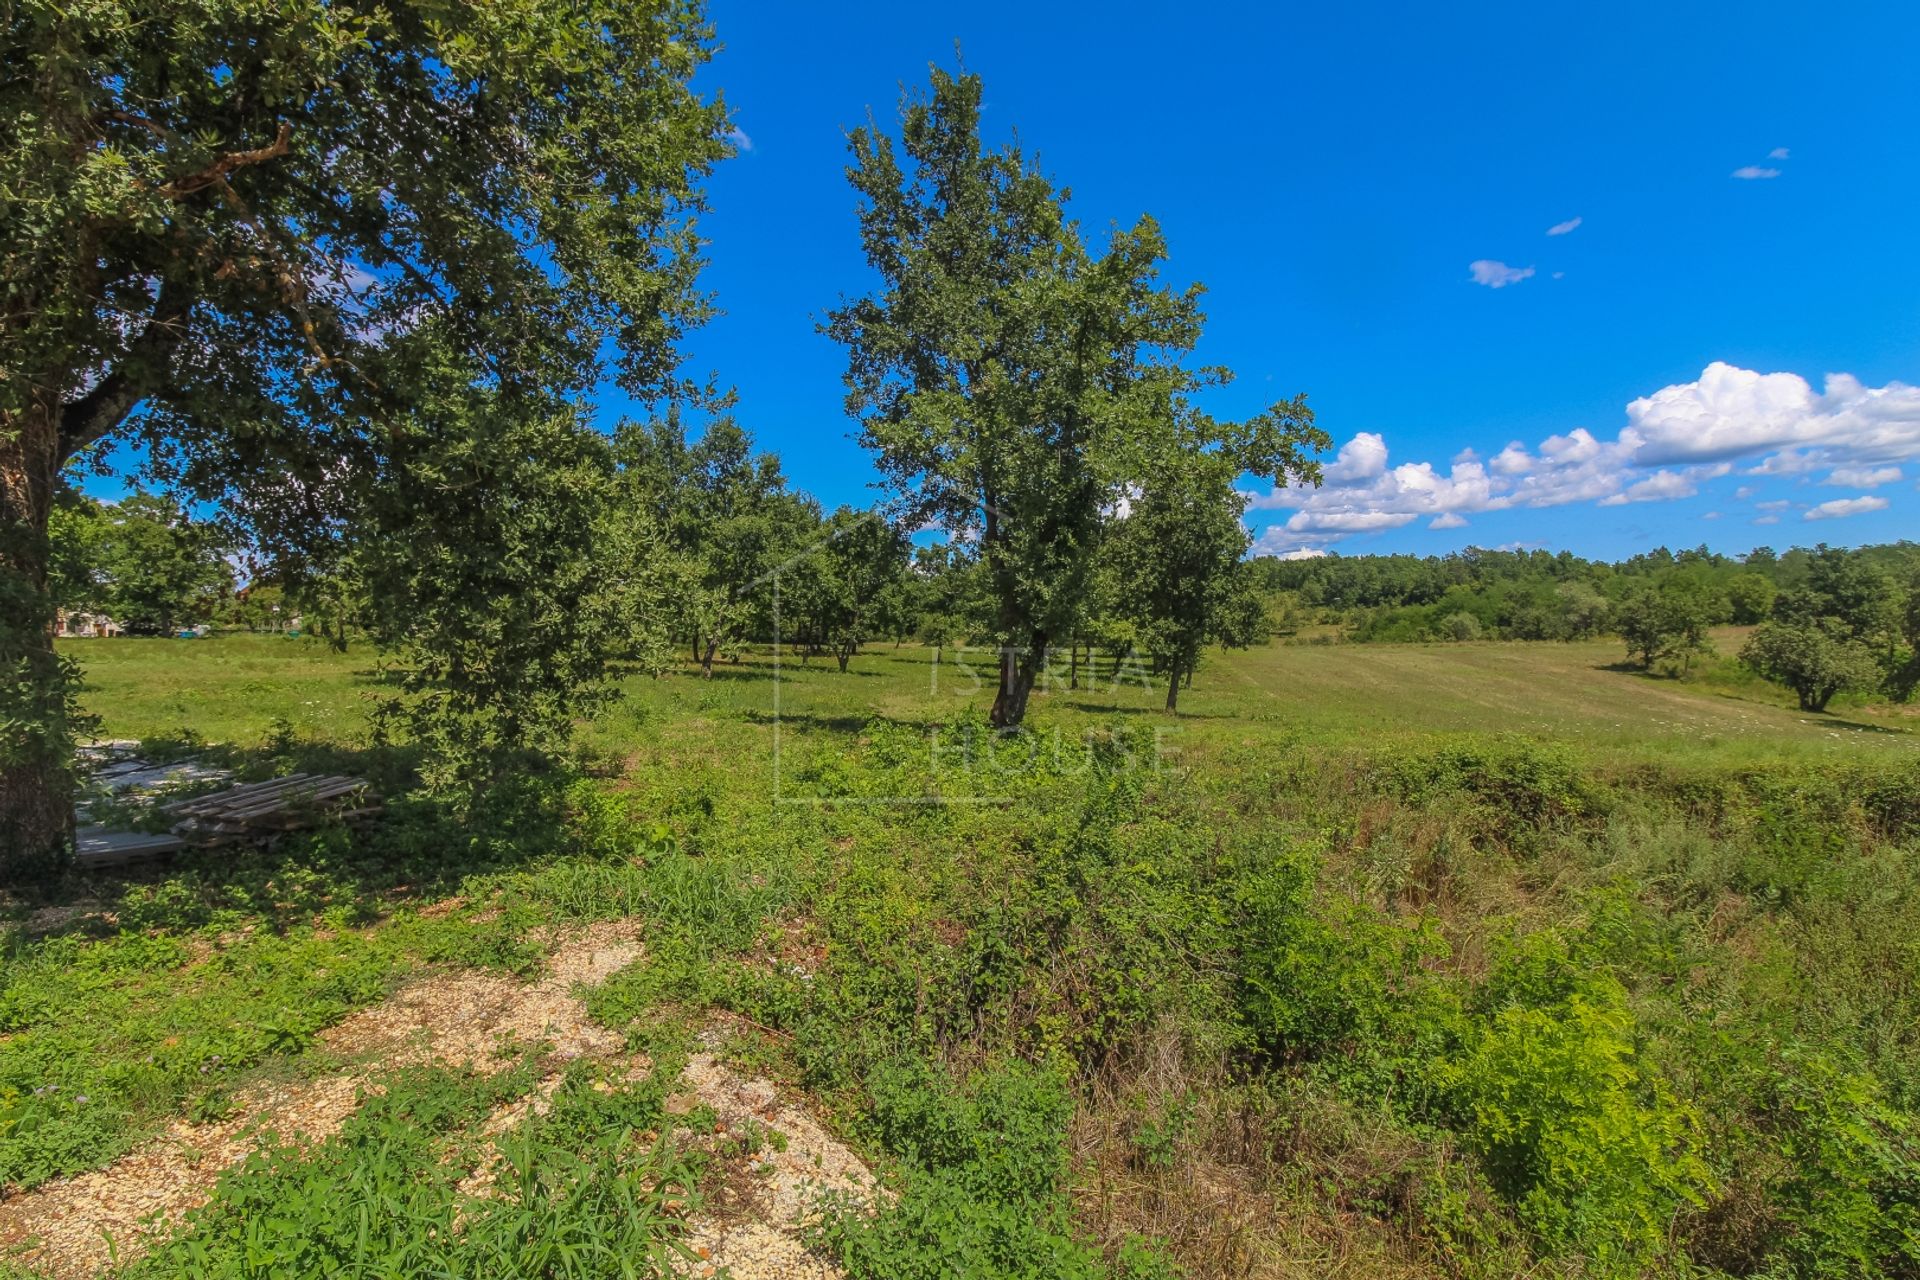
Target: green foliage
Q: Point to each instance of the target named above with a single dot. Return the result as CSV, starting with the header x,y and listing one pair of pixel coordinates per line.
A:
x,y
1014,383
141,560
1750,596
1814,659
1517,787
593,1187
1178,551
982,1180
240,239
1320,979
1555,1096
1664,624
502,611
1852,1192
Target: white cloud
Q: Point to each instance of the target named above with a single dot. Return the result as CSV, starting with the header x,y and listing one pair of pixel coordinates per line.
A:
x,y
1661,486
1361,458
1840,508
1863,477
1778,153
1673,442
740,138
1744,492
1496,275
1350,521
1753,171
1766,520
1281,545
1561,228
1731,413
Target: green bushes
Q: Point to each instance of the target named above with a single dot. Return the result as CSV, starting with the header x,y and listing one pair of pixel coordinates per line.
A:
x,y
1517,787
982,1185
1319,977
1549,1088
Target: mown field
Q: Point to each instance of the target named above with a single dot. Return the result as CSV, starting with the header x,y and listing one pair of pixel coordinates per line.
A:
x,y
1376,960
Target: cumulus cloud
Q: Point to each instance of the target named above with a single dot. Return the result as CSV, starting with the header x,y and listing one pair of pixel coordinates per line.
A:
x,y
1673,441
1561,228
1840,508
1661,486
1863,477
1750,172
1778,153
1496,275
1361,458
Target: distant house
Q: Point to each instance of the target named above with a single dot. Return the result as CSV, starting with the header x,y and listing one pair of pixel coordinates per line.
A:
x,y
85,624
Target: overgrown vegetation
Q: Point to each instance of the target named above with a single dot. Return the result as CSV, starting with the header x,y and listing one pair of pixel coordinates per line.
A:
x,y
1451,1000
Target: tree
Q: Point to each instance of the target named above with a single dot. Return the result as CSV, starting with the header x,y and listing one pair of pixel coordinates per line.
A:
x,y
1013,382
1583,612
1751,597
832,593
159,570
1906,677
503,614
1664,623
725,517
1845,595
228,228
1814,659
1178,551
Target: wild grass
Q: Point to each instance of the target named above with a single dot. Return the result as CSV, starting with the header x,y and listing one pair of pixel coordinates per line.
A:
x,y
1414,960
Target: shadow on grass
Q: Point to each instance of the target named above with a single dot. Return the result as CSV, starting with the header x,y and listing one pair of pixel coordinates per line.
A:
x,y
419,850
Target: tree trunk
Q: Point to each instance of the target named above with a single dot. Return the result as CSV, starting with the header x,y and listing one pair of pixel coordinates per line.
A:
x,y
36,766
1018,671
1073,681
706,662
1173,687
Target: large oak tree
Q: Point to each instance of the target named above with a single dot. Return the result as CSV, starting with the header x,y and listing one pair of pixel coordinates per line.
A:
x,y
227,223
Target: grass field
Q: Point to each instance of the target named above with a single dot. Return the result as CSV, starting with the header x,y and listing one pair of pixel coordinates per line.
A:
x,y
1398,960
233,689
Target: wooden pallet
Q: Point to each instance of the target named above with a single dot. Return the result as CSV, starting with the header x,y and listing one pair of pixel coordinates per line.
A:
x,y
263,808
95,847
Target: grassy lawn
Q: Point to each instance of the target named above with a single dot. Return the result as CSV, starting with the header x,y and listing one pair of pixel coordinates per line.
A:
x,y
234,688
1468,959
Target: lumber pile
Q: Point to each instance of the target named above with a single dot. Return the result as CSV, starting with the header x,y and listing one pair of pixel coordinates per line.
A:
x,y
256,810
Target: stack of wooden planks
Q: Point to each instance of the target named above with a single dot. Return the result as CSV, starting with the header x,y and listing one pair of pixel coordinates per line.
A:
x,y
258,809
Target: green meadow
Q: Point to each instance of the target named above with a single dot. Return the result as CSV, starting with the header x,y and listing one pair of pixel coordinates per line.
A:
x,y
1409,960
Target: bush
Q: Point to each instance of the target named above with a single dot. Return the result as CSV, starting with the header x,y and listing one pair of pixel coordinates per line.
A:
x,y
982,1193
1588,1143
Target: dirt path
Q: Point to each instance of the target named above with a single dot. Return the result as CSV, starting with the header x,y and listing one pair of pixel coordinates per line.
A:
x,y
62,1229
465,1017
762,1240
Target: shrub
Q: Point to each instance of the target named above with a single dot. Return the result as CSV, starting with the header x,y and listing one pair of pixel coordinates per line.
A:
x,y
1573,1126
982,1193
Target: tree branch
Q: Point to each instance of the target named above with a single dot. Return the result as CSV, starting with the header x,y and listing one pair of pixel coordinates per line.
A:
x,y
216,173
140,373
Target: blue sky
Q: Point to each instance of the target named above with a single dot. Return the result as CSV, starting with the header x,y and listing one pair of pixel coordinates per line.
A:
x,y
1334,173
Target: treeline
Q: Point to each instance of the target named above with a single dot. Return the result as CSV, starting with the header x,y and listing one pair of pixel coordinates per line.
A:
x,y
1829,620
697,548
